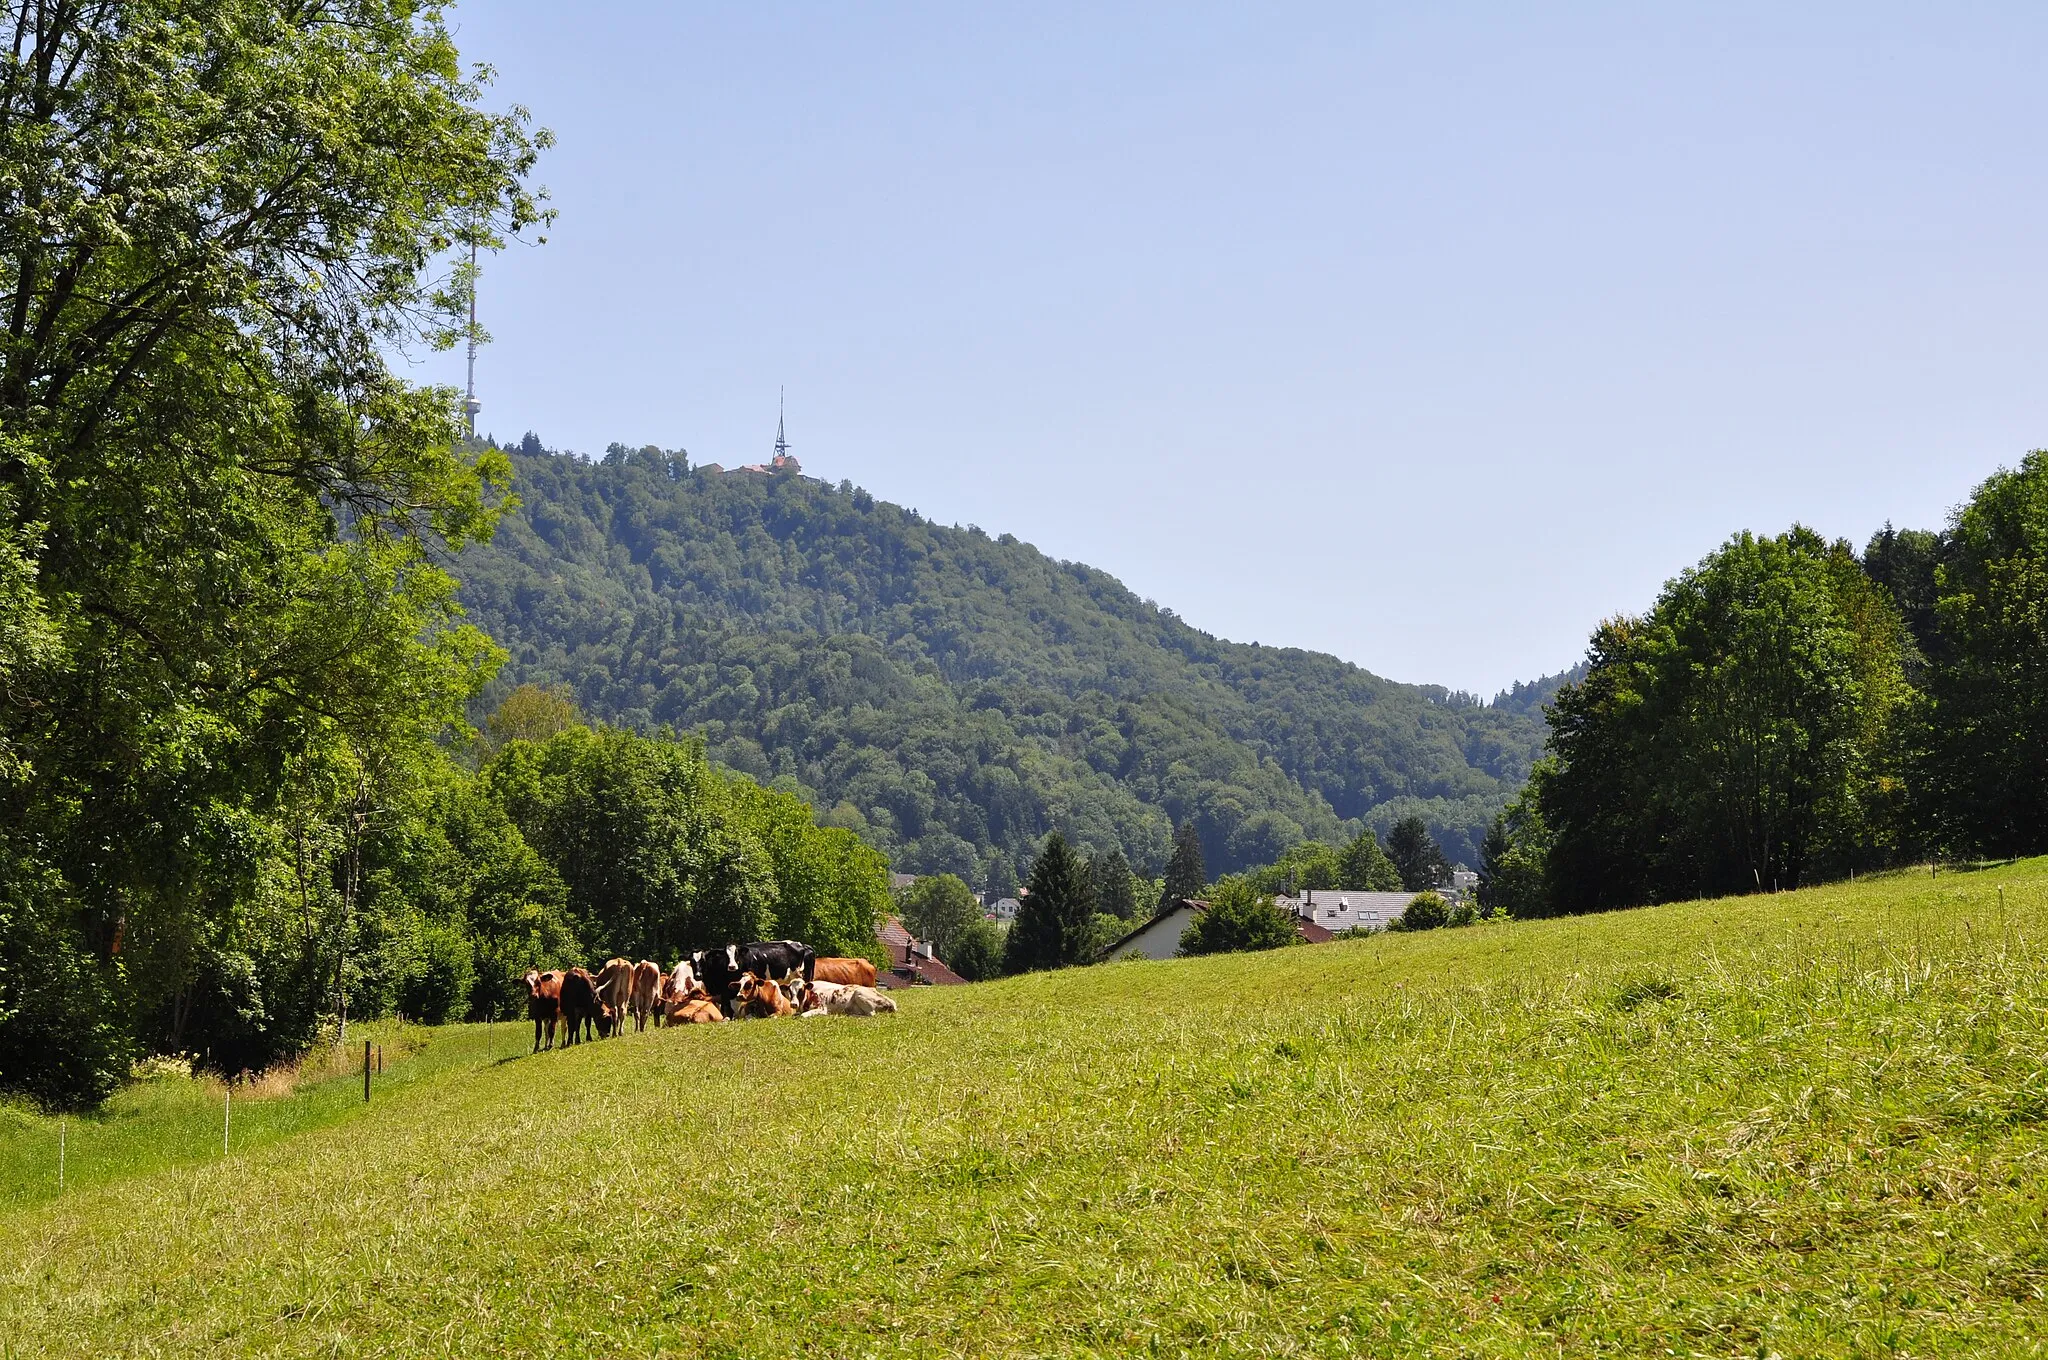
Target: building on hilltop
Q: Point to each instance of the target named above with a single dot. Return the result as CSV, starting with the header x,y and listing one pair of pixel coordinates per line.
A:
x,y
781,462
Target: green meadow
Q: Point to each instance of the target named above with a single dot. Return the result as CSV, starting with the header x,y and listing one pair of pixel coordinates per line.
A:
x,y
1806,1124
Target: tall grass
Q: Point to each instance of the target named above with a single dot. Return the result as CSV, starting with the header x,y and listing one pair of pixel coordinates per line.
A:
x,y
1813,1123
174,1118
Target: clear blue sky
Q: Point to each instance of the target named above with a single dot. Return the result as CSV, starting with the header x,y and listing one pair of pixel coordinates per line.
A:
x,y
1424,335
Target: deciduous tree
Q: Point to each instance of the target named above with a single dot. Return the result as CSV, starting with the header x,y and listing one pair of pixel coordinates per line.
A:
x,y
1239,918
1986,767
940,908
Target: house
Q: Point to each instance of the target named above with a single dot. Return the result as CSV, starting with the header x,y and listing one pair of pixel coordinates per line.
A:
x,y
1336,909
1318,915
1158,938
781,462
1004,909
898,882
911,962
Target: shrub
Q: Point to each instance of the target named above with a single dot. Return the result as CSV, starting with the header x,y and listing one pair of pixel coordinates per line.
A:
x,y
1426,912
1239,918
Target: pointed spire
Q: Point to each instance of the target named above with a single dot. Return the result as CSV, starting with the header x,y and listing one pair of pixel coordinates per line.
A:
x,y
781,443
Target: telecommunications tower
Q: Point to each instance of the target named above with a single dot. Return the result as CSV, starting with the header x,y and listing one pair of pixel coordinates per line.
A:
x,y
470,405
781,444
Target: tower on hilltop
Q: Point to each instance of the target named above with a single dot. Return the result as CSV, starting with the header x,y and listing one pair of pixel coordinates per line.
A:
x,y
782,458
470,405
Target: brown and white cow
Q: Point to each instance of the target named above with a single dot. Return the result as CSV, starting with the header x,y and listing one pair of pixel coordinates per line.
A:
x,y
646,991
615,984
761,999
675,986
846,972
860,1001
543,1004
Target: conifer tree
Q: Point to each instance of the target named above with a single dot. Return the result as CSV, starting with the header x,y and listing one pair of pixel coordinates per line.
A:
x,y
1052,926
1115,893
1185,876
1414,852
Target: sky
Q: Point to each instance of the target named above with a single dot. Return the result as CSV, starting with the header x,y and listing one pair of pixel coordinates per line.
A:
x,y
1426,335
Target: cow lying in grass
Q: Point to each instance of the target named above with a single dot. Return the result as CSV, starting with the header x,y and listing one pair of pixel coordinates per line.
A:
x,y
675,988
762,999
694,1007
832,998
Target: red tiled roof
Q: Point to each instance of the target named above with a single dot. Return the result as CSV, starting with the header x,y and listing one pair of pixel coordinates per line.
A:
x,y
908,968
911,970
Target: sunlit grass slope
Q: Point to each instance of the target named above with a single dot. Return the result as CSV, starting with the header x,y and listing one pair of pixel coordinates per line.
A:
x,y
1808,1124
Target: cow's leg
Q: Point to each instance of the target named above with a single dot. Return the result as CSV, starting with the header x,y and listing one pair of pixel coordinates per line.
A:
x,y
536,1034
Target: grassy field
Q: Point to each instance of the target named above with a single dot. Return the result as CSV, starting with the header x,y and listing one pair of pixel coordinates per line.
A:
x,y
1809,1124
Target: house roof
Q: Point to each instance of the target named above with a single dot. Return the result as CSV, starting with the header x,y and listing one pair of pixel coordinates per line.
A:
x,y
1337,909
907,967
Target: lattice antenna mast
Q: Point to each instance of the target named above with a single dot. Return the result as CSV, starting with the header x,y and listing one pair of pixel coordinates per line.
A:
x,y
781,443
470,405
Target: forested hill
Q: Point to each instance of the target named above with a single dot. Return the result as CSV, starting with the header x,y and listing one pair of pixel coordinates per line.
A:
x,y
951,695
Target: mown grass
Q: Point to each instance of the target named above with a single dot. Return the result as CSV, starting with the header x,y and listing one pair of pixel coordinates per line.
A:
x,y
1809,1124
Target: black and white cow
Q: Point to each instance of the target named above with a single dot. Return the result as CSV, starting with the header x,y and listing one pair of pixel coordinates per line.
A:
x,y
719,970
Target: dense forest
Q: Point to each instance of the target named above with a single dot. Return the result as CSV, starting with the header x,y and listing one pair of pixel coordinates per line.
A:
x,y
952,696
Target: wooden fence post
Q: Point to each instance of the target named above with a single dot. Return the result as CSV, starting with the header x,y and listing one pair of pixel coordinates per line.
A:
x,y
366,1071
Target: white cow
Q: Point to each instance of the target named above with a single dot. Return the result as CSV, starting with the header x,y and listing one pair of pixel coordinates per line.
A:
x,y
858,1001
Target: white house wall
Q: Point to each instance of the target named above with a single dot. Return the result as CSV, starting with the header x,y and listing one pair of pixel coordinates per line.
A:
x,y
1161,939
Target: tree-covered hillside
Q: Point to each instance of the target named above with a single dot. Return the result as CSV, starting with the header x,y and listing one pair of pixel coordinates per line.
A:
x,y
950,695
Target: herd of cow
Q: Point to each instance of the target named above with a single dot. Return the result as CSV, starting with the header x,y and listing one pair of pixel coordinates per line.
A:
x,y
761,980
